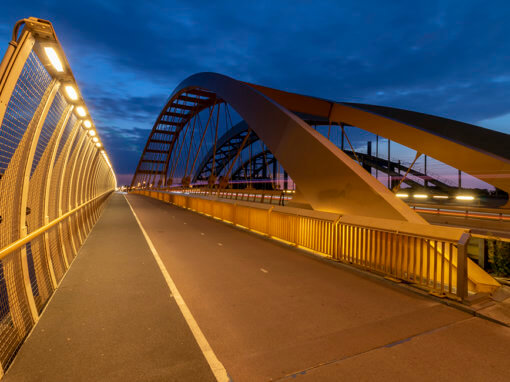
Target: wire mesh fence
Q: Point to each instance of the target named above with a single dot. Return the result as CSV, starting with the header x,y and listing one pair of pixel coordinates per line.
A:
x,y
53,185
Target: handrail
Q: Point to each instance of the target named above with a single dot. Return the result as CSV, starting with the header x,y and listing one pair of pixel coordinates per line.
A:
x,y
55,177
431,258
31,236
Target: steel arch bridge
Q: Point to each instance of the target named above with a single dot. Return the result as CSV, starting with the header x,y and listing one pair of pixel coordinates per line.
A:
x,y
194,141
258,166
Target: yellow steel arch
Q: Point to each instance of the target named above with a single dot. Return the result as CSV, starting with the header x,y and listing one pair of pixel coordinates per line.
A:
x,y
477,151
328,178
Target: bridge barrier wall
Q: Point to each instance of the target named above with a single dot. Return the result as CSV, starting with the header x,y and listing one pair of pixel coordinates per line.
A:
x,y
430,257
54,180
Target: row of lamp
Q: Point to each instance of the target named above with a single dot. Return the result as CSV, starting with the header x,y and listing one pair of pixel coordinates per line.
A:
x,y
73,96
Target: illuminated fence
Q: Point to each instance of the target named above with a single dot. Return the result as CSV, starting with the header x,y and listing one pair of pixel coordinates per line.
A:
x,y
54,177
432,258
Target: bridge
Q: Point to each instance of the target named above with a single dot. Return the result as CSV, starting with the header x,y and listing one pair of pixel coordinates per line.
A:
x,y
256,241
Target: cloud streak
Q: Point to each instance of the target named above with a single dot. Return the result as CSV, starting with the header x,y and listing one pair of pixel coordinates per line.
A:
x,y
444,58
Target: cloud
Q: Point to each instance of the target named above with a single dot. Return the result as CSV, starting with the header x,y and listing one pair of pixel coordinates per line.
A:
x,y
128,109
444,58
124,146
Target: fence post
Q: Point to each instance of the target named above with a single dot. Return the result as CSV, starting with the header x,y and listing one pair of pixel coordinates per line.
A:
x,y
66,204
59,130
32,134
336,238
268,221
462,276
62,181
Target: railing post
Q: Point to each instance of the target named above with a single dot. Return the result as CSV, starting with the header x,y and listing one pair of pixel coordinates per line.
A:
x,y
46,190
60,186
76,196
32,133
269,213
65,203
336,236
462,274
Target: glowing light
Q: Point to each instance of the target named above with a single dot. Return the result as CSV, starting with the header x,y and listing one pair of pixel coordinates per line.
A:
x,y
98,144
402,195
464,197
87,124
81,111
71,93
92,133
440,197
53,57
110,165
420,196
95,139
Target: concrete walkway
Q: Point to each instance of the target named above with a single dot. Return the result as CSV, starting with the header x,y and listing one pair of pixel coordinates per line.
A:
x,y
112,318
270,312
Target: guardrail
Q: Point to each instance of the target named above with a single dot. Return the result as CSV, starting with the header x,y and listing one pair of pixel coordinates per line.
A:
x,y
276,197
54,177
493,214
283,197
430,257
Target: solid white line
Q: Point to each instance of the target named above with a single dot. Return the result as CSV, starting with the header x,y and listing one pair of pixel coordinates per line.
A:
x,y
216,366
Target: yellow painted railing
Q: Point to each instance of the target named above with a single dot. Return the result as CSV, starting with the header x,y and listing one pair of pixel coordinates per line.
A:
x,y
54,177
431,257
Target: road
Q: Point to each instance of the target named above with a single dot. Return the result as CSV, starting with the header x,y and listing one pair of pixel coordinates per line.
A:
x,y
271,312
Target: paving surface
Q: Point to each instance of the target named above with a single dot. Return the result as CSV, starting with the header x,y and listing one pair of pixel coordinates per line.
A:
x,y
268,311
112,318
272,313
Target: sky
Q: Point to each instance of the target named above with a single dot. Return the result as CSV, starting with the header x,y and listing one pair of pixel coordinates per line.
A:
x,y
448,58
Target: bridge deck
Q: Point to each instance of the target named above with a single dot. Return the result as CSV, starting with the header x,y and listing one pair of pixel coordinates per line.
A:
x,y
112,318
268,312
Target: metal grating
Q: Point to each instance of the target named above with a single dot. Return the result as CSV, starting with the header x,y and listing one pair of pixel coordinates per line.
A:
x,y
59,172
54,114
56,253
38,142
16,321
66,237
29,90
65,135
39,272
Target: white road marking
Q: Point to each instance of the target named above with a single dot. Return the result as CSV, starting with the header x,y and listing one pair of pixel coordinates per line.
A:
x,y
264,270
215,364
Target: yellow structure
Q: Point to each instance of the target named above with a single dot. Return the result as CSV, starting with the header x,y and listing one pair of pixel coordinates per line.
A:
x,y
54,177
430,257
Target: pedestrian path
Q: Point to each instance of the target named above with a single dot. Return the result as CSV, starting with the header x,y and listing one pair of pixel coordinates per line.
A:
x,y
113,317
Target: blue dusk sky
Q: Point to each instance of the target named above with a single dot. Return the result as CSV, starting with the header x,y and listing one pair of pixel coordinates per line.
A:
x,y
448,58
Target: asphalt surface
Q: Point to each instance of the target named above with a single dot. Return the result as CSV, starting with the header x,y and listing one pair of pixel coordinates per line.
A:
x,y
268,311
112,318
271,312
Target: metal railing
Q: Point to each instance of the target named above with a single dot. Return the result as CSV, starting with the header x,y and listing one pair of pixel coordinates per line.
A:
x,y
54,178
276,197
432,258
